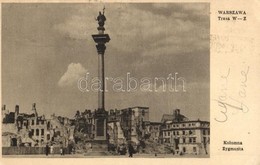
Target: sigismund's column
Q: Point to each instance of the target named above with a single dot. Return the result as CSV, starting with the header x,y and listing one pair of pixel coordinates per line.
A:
x,y
101,114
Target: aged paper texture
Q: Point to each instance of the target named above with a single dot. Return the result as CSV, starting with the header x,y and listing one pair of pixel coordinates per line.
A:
x,y
126,82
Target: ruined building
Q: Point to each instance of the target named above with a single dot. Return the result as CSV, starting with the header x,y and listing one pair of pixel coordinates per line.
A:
x,y
21,129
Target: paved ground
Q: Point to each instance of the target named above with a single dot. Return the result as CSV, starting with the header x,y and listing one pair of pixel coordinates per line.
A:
x,y
107,156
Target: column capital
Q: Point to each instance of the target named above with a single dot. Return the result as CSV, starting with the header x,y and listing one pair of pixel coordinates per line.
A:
x,y
101,48
101,38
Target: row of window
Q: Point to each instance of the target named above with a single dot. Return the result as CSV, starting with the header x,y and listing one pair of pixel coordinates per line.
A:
x,y
37,132
206,132
33,122
187,132
154,128
191,140
181,140
181,125
185,125
206,140
26,123
204,124
194,149
37,122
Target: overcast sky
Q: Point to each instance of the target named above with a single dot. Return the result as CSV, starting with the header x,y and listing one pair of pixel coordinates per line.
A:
x,y
46,48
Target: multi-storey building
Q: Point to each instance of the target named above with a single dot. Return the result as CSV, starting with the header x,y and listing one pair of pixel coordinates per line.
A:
x,y
186,136
33,130
15,128
153,131
133,123
84,125
115,132
127,125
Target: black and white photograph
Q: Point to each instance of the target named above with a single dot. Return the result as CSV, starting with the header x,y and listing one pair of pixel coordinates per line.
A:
x,y
95,80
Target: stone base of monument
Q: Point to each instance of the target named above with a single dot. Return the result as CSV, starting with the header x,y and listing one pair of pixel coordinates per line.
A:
x,y
98,148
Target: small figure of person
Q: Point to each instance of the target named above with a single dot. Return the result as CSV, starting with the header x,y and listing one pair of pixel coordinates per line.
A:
x,y
90,147
130,150
118,149
51,150
61,150
73,150
47,149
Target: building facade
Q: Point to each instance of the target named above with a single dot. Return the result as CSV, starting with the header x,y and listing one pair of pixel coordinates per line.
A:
x,y
153,130
186,136
21,129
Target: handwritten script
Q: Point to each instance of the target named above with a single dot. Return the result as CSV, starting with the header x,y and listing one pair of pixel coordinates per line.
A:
x,y
226,102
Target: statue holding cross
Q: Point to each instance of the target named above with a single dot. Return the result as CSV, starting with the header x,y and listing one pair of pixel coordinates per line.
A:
x,y
101,18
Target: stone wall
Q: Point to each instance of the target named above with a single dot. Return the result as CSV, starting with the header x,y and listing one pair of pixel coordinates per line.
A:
x,y
29,150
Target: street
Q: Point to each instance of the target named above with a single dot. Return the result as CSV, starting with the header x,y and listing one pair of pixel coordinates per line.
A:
x,y
107,156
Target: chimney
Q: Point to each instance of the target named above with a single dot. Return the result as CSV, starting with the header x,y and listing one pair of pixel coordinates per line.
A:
x,y
3,107
111,111
176,114
17,109
34,106
34,109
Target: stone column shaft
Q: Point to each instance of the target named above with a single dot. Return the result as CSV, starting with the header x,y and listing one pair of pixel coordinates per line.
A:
x,y
101,77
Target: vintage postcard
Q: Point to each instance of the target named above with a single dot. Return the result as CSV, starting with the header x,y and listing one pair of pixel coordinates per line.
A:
x,y
161,81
